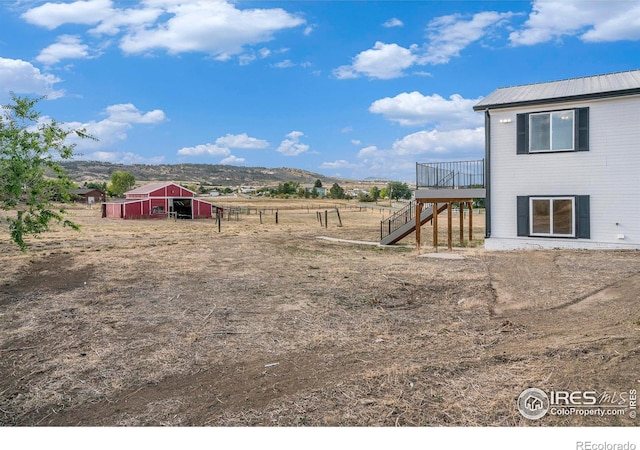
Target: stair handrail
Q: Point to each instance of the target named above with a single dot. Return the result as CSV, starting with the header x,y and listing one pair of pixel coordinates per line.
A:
x,y
397,219
449,176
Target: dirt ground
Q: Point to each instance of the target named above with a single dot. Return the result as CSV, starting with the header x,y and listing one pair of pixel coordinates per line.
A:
x,y
132,323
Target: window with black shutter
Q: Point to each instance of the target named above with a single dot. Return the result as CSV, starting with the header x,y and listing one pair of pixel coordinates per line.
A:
x,y
554,216
553,131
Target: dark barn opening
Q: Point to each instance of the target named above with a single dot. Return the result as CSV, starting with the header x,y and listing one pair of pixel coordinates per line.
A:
x,y
183,208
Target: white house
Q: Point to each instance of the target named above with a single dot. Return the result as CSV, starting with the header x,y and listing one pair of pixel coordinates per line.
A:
x,y
562,164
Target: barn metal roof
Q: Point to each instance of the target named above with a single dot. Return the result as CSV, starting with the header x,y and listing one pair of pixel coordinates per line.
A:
x,y
597,86
148,188
125,200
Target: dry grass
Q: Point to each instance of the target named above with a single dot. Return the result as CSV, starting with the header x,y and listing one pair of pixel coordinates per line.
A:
x,y
172,323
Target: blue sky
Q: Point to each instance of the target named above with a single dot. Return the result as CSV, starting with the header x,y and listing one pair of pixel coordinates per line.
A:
x,y
355,89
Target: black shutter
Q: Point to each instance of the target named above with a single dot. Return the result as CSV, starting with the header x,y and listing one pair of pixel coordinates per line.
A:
x,y
522,134
582,129
583,221
523,216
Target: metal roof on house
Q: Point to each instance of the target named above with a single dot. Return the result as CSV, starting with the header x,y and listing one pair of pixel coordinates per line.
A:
x,y
597,86
83,191
148,188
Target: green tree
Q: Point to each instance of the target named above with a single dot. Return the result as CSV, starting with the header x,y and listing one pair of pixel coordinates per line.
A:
x,y
121,182
96,185
31,179
374,193
397,190
317,184
288,188
336,191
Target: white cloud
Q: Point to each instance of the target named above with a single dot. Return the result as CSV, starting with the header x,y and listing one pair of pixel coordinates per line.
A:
x,y
383,61
356,141
121,158
128,19
440,142
204,149
368,151
385,164
284,64
241,141
120,119
448,35
411,109
291,146
398,162
246,58
231,159
393,22
128,113
214,27
223,146
66,47
339,164
591,21
52,15
22,77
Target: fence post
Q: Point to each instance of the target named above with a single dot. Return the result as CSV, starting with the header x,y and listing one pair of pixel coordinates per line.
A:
x,y
276,216
339,219
326,218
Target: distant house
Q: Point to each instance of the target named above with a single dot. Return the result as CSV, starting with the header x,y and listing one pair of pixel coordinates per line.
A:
x,y
562,161
159,200
85,195
322,192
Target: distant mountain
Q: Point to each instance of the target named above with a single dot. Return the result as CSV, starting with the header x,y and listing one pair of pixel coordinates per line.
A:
x,y
207,174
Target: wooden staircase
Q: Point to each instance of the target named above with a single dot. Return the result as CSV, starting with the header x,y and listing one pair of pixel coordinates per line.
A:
x,y
403,222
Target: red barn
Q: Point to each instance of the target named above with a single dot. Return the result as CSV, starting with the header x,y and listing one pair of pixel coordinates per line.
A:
x,y
159,200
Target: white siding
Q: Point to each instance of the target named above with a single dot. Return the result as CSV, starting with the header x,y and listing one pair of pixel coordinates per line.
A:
x,y
609,173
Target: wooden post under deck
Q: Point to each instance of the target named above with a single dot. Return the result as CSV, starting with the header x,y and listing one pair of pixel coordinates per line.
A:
x,y
470,221
418,224
435,226
449,226
461,219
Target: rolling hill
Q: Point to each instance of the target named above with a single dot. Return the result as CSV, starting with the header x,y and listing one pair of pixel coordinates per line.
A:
x,y
207,174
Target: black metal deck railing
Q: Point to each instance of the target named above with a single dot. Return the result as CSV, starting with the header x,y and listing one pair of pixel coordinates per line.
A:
x,y
451,175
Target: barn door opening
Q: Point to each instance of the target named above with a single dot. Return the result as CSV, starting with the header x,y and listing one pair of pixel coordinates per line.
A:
x,y
183,208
